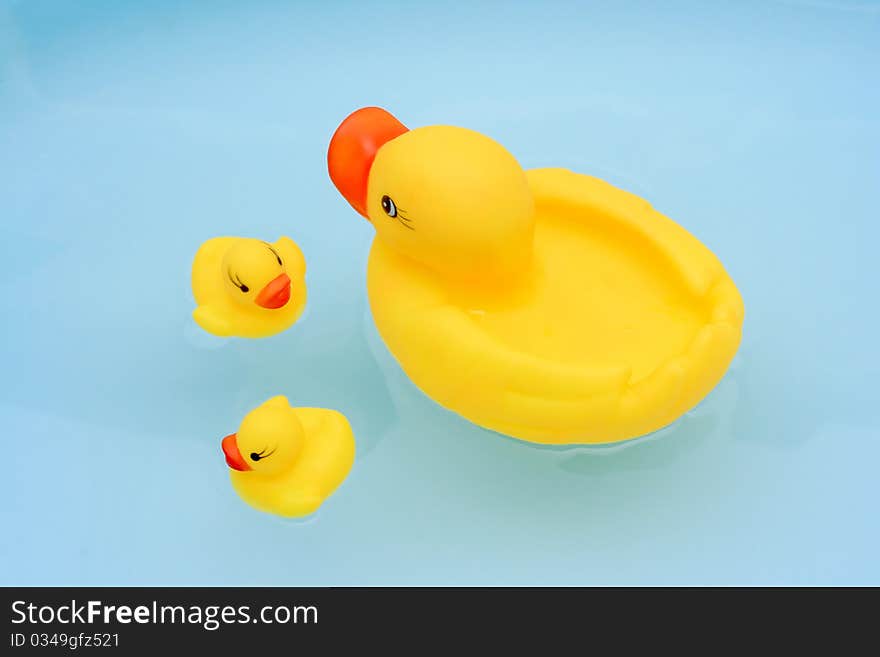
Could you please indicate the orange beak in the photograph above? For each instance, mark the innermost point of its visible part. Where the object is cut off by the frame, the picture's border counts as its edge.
(353, 148)
(276, 293)
(233, 457)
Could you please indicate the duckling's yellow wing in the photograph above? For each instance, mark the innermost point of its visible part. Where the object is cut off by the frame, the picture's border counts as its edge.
(206, 276)
(631, 322)
(211, 312)
(213, 320)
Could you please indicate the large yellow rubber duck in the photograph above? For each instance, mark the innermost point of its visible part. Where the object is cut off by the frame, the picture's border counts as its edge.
(247, 287)
(543, 304)
(286, 460)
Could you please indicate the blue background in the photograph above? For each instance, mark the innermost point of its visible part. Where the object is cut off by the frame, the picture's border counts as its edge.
(131, 132)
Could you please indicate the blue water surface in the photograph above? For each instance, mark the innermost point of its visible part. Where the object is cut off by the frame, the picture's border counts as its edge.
(132, 131)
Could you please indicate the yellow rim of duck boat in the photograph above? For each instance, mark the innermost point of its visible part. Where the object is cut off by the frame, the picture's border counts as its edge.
(499, 387)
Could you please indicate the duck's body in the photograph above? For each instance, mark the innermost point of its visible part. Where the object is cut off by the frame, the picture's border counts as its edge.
(618, 327)
(552, 306)
(286, 460)
(248, 288)
(324, 462)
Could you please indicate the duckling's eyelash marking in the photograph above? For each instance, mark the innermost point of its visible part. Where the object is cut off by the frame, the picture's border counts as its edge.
(275, 253)
(257, 456)
(237, 283)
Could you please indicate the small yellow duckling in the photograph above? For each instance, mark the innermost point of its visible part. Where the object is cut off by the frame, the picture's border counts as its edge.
(247, 287)
(286, 460)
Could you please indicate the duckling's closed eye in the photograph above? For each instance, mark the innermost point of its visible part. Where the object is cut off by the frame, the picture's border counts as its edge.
(236, 281)
(275, 253)
(256, 456)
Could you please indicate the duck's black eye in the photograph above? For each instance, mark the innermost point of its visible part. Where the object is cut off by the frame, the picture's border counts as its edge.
(257, 456)
(389, 206)
(236, 281)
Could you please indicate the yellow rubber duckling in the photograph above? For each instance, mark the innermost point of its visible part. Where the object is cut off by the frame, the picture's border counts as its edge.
(286, 460)
(543, 304)
(248, 288)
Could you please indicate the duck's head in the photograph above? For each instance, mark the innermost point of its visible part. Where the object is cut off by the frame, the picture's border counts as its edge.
(254, 273)
(447, 197)
(268, 441)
